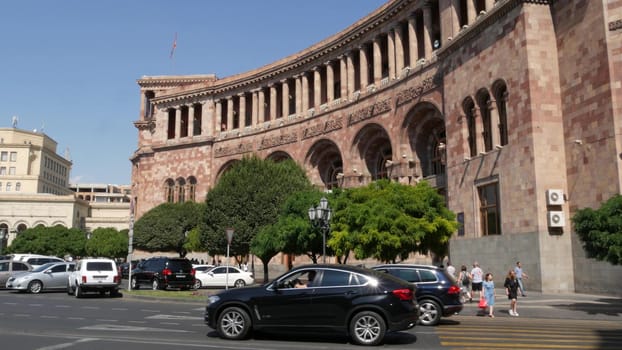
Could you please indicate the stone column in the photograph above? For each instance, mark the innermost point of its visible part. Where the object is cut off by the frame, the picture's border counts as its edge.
(273, 99)
(177, 123)
(190, 126)
(494, 123)
(207, 126)
(254, 108)
(391, 53)
(261, 106)
(218, 122)
(399, 51)
(377, 61)
(330, 82)
(344, 77)
(285, 99)
(471, 11)
(305, 92)
(351, 71)
(317, 87)
(298, 94)
(427, 30)
(455, 17)
(242, 110)
(230, 111)
(363, 67)
(413, 48)
(489, 5)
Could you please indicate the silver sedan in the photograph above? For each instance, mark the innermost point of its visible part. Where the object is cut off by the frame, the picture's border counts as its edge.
(50, 276)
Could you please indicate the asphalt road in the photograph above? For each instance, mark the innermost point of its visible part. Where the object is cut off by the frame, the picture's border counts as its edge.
(51, 321)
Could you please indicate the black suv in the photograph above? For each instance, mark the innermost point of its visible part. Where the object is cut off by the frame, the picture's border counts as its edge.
(162, 273)
(360, 302)
(438, 293)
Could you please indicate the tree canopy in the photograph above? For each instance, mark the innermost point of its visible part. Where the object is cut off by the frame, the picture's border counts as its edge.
(387, 220)
(56, 240)
(107, 242)
(600, 230)
(165, 227)
(247, 198)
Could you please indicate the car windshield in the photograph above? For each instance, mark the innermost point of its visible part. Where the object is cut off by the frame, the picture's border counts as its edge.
(43, 267)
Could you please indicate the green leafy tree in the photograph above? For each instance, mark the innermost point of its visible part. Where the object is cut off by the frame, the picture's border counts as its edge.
(387, 220)
(57, 241)
(107, 242)
(600, 230)
(247, 198)
(165, 227)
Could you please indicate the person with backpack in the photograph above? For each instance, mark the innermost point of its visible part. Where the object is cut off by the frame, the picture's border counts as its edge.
(464, 279)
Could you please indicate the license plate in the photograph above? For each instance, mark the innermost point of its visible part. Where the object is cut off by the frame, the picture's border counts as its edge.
(180, 276)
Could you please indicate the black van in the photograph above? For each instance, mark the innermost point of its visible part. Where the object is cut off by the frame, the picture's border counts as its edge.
(163, 273)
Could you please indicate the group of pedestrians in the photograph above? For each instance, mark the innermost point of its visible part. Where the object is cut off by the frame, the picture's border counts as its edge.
(476, 284)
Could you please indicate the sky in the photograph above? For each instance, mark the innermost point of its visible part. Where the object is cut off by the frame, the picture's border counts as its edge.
(69, 67)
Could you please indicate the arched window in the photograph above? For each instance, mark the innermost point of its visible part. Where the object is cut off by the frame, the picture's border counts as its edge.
(169, 191)
(181, 190)
(18, 186)
(192, 188)
(484, 111)
(469, 112)
(501, 96)
(21, 228)
(171, 124)
(438, 154)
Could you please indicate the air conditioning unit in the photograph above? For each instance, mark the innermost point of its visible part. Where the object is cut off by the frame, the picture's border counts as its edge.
(556, 218)
(554, 197)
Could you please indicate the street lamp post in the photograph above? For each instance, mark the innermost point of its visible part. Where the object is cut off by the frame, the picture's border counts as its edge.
(320, 217)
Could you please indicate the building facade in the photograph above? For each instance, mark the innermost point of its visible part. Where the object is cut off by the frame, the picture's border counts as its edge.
(35, 190)
(510, 108)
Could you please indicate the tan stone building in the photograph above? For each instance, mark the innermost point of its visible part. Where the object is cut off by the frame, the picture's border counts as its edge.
(511, 108)
(34, 189)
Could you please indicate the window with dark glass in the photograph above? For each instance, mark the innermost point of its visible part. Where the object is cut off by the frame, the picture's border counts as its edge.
(489, 209)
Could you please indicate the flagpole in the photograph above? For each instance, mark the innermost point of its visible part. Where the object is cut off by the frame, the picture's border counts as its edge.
(172, 55)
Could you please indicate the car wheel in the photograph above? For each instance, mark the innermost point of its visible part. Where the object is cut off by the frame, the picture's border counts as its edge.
(35, 287)
(134, 283)
(78, 291)
(234, 323)
(429, 312)
(114, 293)
(239, 284)
(155, 285)
(197, 284)
(367, 328)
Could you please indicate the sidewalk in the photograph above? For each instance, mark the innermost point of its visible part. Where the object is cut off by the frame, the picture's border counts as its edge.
(571, 305)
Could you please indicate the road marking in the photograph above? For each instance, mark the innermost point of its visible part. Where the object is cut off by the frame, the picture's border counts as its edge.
(119, 309)
(45, 316)
(90, 307)
(67, 345)
(62, 306)
(35, 304)
(75, 318)
(147, 310)
(118, 328)
(104, 320)
(172, 317)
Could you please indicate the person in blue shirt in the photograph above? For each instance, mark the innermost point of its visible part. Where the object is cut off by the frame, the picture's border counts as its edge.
(518, 271)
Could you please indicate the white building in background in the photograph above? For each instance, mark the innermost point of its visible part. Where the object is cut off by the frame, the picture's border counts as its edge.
(35, 190)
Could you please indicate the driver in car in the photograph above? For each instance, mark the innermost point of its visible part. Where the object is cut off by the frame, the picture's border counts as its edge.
(310, 277)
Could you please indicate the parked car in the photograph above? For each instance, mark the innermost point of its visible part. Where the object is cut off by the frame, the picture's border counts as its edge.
(202, 267)
(125, 268)
(10, 267)
(438, 292)
(99, 275)
(50, 276)
(36, 260)
(363, 303)
(221, 276)
(163, 273)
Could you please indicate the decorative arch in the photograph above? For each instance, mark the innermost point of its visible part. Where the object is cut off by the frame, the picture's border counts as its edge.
(372, 145)
(21, 227)
(326, 164)
(425, 128)
(224, 168)
(279, 156)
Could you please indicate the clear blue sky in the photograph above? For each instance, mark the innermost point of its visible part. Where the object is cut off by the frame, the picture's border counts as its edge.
(70, 66)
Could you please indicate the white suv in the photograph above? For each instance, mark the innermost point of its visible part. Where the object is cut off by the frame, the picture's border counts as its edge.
(94, 275)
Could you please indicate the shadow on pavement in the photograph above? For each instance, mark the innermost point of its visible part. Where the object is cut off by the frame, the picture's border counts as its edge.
(602, 306)
(392, 338)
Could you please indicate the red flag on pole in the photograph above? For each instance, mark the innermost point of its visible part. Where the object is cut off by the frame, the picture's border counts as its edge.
(174, 46)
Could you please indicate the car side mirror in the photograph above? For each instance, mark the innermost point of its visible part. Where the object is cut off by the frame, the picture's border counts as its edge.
(49, 272)
(275, 285)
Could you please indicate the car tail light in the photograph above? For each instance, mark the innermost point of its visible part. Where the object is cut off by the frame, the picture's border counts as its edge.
(403, 294)
(83, 279)
(117, 279)
(453, 290)
(166, 272)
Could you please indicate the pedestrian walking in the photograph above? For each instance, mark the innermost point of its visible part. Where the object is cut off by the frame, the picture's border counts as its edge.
(464, 279)
(489, 293)
(477, 277)
(520, 274)
(511, 289)
(451, 269)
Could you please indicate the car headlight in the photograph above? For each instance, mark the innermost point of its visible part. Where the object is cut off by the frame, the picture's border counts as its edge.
(212, 299)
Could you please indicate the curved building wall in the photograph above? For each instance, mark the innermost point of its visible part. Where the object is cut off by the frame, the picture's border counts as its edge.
(475, 97)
